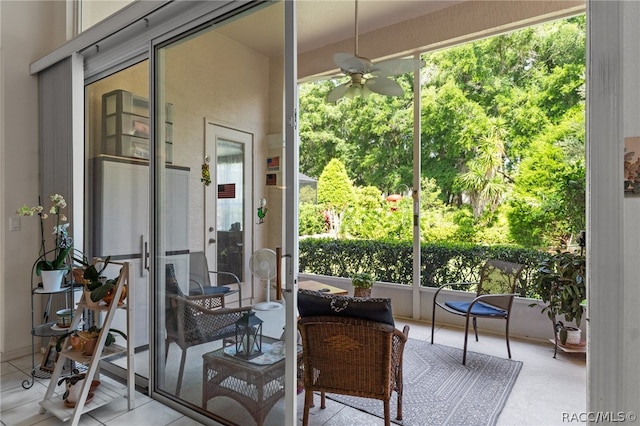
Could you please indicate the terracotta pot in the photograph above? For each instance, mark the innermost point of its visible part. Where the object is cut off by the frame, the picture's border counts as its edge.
(89, 346)
(361, 292)
(109, 297)
(78, 275)
(76, 343)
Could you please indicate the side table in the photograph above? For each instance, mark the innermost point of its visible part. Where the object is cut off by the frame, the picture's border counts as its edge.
(257, 387)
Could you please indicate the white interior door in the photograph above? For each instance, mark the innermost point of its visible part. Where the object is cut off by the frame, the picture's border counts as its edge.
(227, 233)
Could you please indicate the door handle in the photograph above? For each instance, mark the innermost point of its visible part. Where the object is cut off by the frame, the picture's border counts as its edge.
(146, 255)
(212, 240)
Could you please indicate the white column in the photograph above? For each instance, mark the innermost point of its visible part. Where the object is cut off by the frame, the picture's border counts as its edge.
(612, 248)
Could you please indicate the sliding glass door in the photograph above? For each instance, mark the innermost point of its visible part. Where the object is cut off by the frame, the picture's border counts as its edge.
(218, 94)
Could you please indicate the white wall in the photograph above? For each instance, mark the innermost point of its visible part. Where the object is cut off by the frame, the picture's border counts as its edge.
(28, 30)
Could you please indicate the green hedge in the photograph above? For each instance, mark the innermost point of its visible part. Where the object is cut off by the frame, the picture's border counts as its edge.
(393, 262)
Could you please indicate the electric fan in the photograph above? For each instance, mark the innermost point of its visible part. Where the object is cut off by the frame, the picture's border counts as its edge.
(263, 266)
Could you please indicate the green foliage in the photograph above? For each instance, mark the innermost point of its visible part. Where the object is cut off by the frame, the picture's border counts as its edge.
(362, 280)
(335, 190)
(308, 194)
(98, 285)
(561, 284)
(502, 119)
(392, 262)
(311, 219)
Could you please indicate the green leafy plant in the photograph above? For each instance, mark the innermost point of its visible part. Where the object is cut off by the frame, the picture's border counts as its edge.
(95, 282)
(561, 285)
(362, 280)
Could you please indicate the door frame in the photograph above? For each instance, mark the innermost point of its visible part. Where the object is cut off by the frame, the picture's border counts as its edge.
(213, 131)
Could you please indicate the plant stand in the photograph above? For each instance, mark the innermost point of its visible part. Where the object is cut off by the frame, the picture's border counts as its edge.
(46, 328)
(105, 393)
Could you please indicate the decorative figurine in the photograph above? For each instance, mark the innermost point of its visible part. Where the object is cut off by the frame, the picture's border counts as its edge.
(262, 211)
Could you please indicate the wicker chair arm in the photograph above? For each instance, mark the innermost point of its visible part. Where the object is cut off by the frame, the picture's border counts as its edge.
(402, 335)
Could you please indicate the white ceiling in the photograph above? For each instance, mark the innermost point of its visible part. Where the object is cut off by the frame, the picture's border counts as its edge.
(322, 22)
(325, 27)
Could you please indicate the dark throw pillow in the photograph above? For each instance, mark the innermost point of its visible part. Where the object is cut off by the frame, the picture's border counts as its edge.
(313, 303)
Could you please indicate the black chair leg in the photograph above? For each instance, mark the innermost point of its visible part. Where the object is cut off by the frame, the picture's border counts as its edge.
(466, 338)
(475, 327)
(433, 320)
(507, 337)
(182, 361)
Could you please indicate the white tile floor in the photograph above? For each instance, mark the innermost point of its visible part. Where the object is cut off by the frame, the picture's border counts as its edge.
(546, 388)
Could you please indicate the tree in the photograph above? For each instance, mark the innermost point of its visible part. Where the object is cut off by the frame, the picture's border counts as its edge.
(491, 111)
(335, 192)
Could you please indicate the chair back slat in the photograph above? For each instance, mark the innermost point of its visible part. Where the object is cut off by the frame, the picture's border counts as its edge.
(199, 269)
(499, 277)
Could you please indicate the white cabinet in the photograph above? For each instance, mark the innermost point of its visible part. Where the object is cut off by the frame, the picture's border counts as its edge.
(121, 217)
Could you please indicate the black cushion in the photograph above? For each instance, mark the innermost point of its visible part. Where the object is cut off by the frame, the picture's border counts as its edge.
(313, 303)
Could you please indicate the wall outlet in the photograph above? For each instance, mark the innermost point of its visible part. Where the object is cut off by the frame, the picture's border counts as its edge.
(14, 223)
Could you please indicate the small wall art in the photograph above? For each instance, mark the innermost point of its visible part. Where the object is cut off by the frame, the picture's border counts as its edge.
(632, 165)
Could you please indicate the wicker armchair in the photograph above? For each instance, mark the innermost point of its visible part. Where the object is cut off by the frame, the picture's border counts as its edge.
(192, 321)
(351, 356)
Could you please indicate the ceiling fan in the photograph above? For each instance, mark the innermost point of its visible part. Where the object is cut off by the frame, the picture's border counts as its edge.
(365, 76)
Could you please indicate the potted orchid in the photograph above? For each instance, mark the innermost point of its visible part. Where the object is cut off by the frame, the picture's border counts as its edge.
(56, 258)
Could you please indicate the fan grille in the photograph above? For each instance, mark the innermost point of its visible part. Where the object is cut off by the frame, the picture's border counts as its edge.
(263, 264)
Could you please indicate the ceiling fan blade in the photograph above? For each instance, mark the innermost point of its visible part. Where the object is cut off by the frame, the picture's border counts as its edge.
(338, 92)
(395, 67)
(384, 86)
(350, 63)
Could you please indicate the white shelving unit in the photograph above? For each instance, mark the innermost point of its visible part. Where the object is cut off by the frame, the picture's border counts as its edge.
(106, 392)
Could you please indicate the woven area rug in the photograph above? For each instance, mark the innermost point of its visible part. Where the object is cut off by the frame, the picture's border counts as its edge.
(439, 390)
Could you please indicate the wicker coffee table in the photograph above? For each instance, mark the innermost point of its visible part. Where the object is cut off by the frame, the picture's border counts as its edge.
(257, 387)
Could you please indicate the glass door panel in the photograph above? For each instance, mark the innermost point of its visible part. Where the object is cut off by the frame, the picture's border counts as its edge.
(221, 90)
(227, 215)
(117, 173)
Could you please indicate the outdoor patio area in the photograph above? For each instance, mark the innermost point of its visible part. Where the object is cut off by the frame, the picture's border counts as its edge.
(546, 391)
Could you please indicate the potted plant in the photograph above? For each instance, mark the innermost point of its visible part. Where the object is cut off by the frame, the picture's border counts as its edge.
(561, 285)
(97, 286)
(89, 338)
(73, 384)
(362, 283)
(52, 264)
